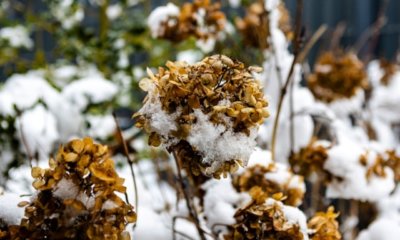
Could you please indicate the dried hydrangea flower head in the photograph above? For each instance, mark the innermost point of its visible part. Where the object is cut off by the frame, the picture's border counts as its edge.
(389, 69)
(255, 26)
(309, 159)
(77, 198)
(201, 19)
(265, 177)
(381, 164)
(264, 218)
(208, 113)
(324, 226)
(337, 77)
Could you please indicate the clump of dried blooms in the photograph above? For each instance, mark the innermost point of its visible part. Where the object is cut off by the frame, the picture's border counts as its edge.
(389, 69)
(263, 219)
(255, 26)
(201, 19)
(208, 113)
(324, 226)
(77, 197)
(260, 176)
(337, 77)
(380, 162)
(310, 159)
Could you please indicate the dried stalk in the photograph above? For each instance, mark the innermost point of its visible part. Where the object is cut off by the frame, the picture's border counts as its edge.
(189, 205)
(298, 58)
(296, 42)
(130, 163)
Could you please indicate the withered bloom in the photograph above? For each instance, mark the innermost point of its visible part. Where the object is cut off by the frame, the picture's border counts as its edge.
(324, 226)
(255, 26)
(389, 69)
(309, 159)
(201, 19)
(208, 113)
(76, 197)
(337, 76)
(257, 176)
(263, 219)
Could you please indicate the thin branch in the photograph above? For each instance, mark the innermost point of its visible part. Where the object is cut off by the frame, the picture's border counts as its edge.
(26, 145)
(374, 30)
(296, 42)
(130, 163)
(298, 58)
(192, 211)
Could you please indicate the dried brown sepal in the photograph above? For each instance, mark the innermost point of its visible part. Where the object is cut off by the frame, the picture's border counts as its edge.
(389, 69)
(309, 159)
(254, 177)
(324, 225)
(255, 26)
(93, 211)
(183, 89)
(259, 220)
(187, 23)
(337, 76)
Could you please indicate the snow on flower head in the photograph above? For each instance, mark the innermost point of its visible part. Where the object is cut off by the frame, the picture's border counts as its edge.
(256, 25)
(357, 173)
(17, 37)
(208, 113)
(201, 19)
(337, 77)
(77, 196)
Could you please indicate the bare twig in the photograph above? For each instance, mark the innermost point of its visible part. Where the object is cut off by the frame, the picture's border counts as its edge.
(192, 211)
(374, 30)
(296, 42)
(130, 163)
(26, 145)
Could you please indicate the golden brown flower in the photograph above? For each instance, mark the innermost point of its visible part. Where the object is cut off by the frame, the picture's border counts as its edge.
(389, 69)
(216, 95)
(255, 26)
(257, 176)
(337, 76)
(263, 220)
(324, 225)
(187, 23)
(76, 197)
(309, 159)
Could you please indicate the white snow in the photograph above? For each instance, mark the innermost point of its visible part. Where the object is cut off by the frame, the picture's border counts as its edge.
(90, 89)
(38, 127)
(161, 15)
(343, 161)
(10, 213)
(218, 144)
(17, 36)
(381, 229)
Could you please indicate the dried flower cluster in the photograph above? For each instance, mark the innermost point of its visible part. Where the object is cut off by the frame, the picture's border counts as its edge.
(255, 26)
(337, 77)
(389, 69)
(201, 19)
(324, 226)
(77, 197)
(257, 176)
(263, 218)
(208, 112)
(381, 161)
(309, 159)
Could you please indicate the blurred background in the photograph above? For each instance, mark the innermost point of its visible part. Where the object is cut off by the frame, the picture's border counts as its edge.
(357, 15)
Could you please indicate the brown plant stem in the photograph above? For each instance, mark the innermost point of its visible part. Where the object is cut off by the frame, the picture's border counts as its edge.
(189, 205)
(130, 163)
(299, 57)
(296, 42)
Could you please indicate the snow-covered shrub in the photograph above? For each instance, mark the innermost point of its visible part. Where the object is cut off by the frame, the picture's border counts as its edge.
(207, 113)
(76, 197)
